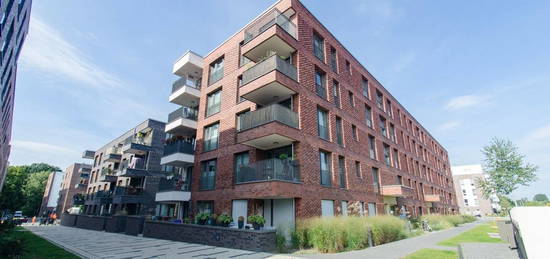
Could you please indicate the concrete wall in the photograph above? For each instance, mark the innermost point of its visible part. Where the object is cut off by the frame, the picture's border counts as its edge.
(91, 222)
(116, 224)
(254, 240)
(68, 220)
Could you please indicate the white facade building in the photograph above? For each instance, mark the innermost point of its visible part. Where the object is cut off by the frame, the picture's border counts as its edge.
(469, 197)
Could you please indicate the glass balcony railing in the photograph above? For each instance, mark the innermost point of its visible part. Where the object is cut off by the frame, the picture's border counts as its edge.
(178, 146)
(138, 164)
(183, 112)
(186, 81)
(129, 190)
(266, 21)
(274, 112)
(269, 64)
(174, 184)
(269, 170)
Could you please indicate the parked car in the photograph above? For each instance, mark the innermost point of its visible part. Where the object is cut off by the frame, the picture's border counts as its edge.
(18, 217)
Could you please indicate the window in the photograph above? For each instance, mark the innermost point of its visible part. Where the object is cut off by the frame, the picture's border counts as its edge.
(372, 147)
(392, 133)
(395, 158)
(322, 124)
(368, 116)
(239, 118)
(375, 179)
(318, 47)
(348, 67)
(342, 171)
(324, 158)
(379, 100)
(211, 136)
(400, 180)
(208, 175)
(357, 168)
(365, 85)
(354, 132)
(213, 102)
(336, 93)
(215, 71)
(372, 209)
(350, 97)
(327, 208)
(339, 136)
(333, 63)
(241, 161)
(387, 158)
(344, 205)
(388, 108)
(320, 87)
(383, 130)
(205, 206)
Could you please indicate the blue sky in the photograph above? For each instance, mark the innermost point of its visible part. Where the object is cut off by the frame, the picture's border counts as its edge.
(467, 71)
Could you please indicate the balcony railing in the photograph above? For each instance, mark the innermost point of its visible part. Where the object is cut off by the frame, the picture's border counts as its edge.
(269, 64)
(269, 170)
(137, 140)
(266, 21)
(186, 81)
(179, 146)
(174, 184)
(183, 112)
(274, 112)
(138, 164)
(129, 190)
(107, 171)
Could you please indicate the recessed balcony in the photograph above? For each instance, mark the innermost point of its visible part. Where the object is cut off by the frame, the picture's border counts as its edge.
(432, 198)
(113, 155)
(173, 190)
(269, 170)
(271, 33)
(129, 195)
(85, 169)
(182, 121)
(136, 145)
(178, 153)
(270, 78)
(396, 191)
(186, 91)
(88, 154)
(188, 64)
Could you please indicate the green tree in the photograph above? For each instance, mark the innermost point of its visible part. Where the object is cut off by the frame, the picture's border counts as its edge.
(540, 197)
(506, 204)
(505, 169)
(12, 197)
(34, 191)
(41, 167)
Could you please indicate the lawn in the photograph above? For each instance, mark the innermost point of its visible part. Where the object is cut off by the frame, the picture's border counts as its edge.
(476, 235)
(37, 247)
(432, 254)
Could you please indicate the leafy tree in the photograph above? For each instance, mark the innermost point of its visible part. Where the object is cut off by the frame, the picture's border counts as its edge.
(11, 197)
(506, 204)
(41, 167)
(34, 191)
(505, 169)
(540, 197)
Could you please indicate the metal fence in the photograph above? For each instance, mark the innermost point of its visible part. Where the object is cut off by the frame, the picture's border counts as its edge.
(269, 170)
(274, 112)
(269, 64)
(266, 21)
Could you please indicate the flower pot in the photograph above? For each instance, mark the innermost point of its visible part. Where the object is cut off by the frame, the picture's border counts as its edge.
(241, 224)
(202, 221)
(256, 226)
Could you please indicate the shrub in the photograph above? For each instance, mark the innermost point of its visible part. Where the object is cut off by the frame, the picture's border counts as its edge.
(11, 247)
(6, 225)
(326, 234)
(356, 232)
(468, 218)
(387, 229)
(300, 234)
(258, 219)
(439, 222)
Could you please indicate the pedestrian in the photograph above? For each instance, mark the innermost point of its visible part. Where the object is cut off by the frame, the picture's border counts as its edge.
(54, 218)
(33, 220)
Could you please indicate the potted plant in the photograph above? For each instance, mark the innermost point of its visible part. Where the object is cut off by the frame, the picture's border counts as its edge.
(240, 223)
(212, 219)
(257, 221)
(224, 220)
(201, 218)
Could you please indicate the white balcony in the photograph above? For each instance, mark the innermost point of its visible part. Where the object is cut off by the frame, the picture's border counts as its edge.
(182, 121)
(186, 91)
(173, 196)
(189, 64)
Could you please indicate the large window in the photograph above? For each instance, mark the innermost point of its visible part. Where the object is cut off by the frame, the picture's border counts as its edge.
(365, 86)
(318, 47)
(322, 123)
(368, 116)
(350, 99)
(379, 100)
(333, 63)
(375, 179)
(395, 158)
(211, 137)
(327, 208)
(324, 159)
(354, 133)
(387, 158)
(208, 175)
(383, 129)
(241, 161)
(205, 206)
(336, 93)
(339, 135)
(320, 85)
(213, 102)
(215, 71)
(357, 168)
(372, 147)
(392, 133)
(342, 171)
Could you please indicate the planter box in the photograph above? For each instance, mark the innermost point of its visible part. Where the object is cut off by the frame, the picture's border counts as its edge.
(254, 240)
(116, 224)
(91, 222)
(134, 225)
(68, 220)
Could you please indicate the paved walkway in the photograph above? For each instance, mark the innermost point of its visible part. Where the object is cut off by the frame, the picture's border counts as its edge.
(402, 248)
(97, 244)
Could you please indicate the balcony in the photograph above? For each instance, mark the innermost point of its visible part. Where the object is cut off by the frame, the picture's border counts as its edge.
(173, 190)
(129, 194)
(136, 145)
(88, 154)
(269, 89)
(188, 64)
(107, 175)
(113, 155)
(80, 185)
(432, 198)
(269, 170)
(85, 169)
(274, 113)
(270, 33)
(396, 191)
(182, 121)
(186, 91)
(178, 153)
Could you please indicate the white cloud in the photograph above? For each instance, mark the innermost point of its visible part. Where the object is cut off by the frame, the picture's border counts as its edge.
(465, 101)
(42, 147)
(47, 50)
(449, 125)
(542, 133)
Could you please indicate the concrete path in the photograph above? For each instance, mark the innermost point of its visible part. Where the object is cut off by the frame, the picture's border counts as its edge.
(402, 248)
(97, 244)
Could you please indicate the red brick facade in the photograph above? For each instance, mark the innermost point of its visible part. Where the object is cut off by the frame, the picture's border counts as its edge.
(433, 169)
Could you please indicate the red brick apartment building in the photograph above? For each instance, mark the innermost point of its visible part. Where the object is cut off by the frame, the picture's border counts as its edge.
(73, 186)
(291, 125)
